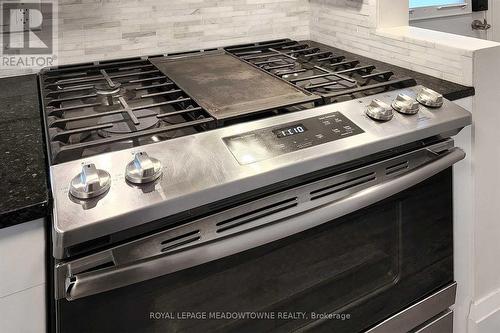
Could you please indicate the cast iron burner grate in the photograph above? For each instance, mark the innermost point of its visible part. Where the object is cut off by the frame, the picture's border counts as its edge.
(322, 72)
(106, 106)
(101, 107)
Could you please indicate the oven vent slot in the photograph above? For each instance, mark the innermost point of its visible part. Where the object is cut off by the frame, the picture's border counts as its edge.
(397, 168)
(181, 240)
(256, 214)
(343, 185)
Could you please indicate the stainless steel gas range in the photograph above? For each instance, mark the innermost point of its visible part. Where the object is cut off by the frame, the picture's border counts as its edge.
(272, 186)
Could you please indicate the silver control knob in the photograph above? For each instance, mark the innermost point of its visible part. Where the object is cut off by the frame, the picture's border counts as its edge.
(405, 104)
(379, 110)
(430, 98)
(90, 183)
(143, 169)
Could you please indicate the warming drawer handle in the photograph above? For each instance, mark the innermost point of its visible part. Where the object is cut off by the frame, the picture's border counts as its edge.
(91, 283)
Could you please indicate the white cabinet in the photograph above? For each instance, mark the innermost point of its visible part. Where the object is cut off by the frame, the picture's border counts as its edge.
(24, 312)
(22, 278)
(463, 224)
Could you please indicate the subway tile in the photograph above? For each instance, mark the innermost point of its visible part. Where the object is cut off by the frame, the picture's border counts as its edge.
(92, 30)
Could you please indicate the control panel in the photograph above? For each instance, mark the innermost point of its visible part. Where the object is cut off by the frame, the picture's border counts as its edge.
(265, 143)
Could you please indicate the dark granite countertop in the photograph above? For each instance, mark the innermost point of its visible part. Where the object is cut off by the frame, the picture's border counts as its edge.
(23, 171)
(451, 91)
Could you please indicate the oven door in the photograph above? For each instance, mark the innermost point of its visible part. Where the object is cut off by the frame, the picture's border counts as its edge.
(342, 254)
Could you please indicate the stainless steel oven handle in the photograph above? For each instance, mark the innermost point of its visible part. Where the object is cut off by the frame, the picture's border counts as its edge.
(95, 282)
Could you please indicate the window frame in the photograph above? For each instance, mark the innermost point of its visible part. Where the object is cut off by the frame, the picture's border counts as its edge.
(421, 13)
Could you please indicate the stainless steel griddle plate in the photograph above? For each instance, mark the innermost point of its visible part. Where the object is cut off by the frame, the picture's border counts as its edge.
(228, 87)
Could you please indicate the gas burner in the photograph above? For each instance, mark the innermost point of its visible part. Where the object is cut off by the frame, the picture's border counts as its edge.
(106, 91)
(121, 125)
(341, 85)
(318, 70)
(99, 108)
(81, 137)
(326, 85)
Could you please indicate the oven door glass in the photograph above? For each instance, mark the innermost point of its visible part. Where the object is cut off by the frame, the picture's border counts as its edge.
(343, 276)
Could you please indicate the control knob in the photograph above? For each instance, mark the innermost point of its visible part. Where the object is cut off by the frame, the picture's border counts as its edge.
(405, 104)
(143, 169)
(430, 98)
(90, 183)
(379, 110)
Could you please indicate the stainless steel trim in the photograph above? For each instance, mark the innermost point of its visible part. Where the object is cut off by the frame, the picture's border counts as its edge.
(442, 323)
(419, 313)
(74, 285)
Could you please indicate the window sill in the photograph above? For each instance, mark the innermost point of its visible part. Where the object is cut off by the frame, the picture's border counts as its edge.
(462, 45)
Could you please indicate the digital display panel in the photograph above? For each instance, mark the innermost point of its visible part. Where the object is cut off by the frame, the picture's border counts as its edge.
(265, 143)
(290, 130)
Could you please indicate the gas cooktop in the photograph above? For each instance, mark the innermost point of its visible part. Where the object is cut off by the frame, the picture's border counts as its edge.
(108, 106)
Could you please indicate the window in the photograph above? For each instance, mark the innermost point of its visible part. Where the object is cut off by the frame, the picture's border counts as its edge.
(430, 3)
(421, 9)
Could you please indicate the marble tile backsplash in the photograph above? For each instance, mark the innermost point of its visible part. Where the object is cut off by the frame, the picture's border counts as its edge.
(351, 25)
(117, 28)
(90, 30)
